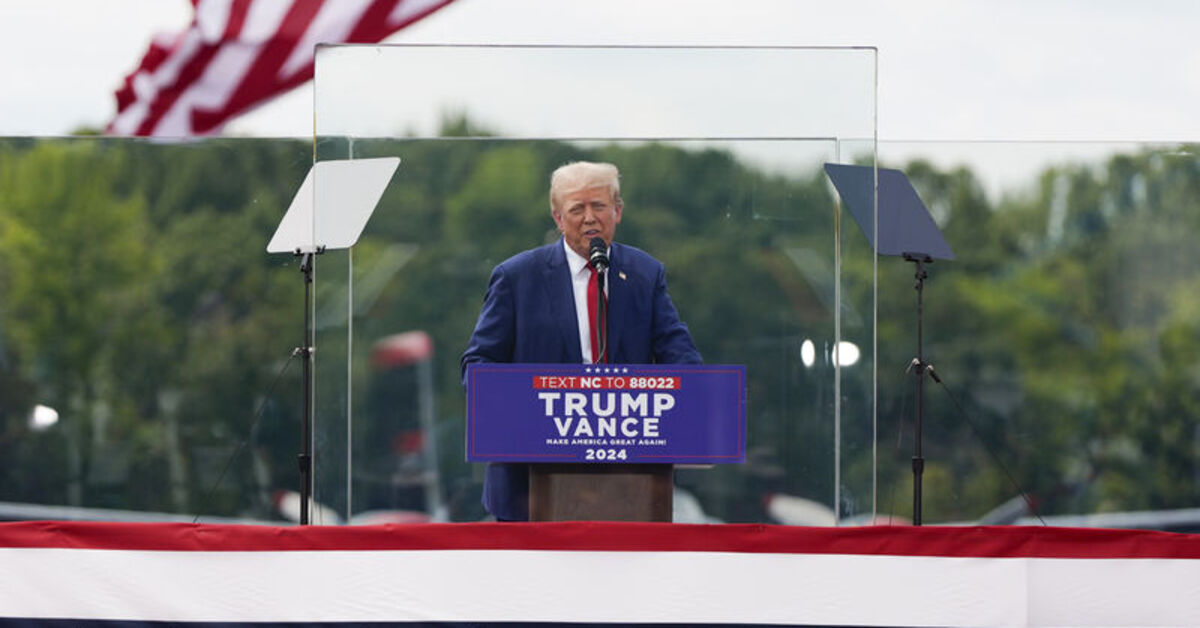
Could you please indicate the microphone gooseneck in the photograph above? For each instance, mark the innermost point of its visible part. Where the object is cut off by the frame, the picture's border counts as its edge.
(598, 253)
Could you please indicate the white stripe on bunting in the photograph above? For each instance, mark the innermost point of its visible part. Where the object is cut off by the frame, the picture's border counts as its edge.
(591, 586)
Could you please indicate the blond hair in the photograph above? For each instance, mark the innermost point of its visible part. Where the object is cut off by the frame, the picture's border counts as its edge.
(584, 175)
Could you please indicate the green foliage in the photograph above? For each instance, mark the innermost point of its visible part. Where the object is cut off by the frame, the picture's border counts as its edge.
(136, 298)
(140, 328)
(1063, 323)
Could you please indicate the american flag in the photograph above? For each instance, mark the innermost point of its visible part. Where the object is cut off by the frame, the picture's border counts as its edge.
(238, 54)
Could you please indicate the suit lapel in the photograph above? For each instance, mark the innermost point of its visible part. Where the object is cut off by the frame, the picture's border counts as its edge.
(618, 302)
(560, 294)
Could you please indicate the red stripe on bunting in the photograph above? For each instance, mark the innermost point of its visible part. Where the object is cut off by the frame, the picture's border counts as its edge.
(987, 542)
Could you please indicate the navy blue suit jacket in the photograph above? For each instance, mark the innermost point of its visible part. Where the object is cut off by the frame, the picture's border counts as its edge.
(529, 316)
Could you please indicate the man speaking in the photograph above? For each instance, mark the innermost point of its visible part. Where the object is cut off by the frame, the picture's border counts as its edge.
(546, 305)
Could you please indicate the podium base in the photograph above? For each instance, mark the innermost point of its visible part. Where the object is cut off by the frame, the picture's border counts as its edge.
(601, 492)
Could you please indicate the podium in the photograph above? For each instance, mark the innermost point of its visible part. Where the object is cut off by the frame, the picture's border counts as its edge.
(601, 492)
(601, 441)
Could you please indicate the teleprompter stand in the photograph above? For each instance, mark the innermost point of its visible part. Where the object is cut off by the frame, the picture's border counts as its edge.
(905, 229)
(918, 368)
(305, 351)
(329, 211)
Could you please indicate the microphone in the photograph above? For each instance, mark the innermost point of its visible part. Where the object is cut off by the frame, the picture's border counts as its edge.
(598, 253)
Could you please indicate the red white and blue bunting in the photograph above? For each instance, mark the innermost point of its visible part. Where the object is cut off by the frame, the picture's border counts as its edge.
(58, 574)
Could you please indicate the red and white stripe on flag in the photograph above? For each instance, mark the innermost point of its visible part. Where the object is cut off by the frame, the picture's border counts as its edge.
(237, 54)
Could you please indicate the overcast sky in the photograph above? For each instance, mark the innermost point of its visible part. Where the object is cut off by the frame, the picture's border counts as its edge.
(948, 69)
(1017, 70)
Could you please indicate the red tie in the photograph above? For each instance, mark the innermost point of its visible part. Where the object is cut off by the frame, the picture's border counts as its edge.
(594, 321)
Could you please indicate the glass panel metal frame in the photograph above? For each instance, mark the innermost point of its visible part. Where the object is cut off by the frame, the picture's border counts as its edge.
(763, 118)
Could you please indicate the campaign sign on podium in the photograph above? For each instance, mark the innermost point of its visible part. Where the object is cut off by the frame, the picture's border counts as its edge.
(606, 413)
